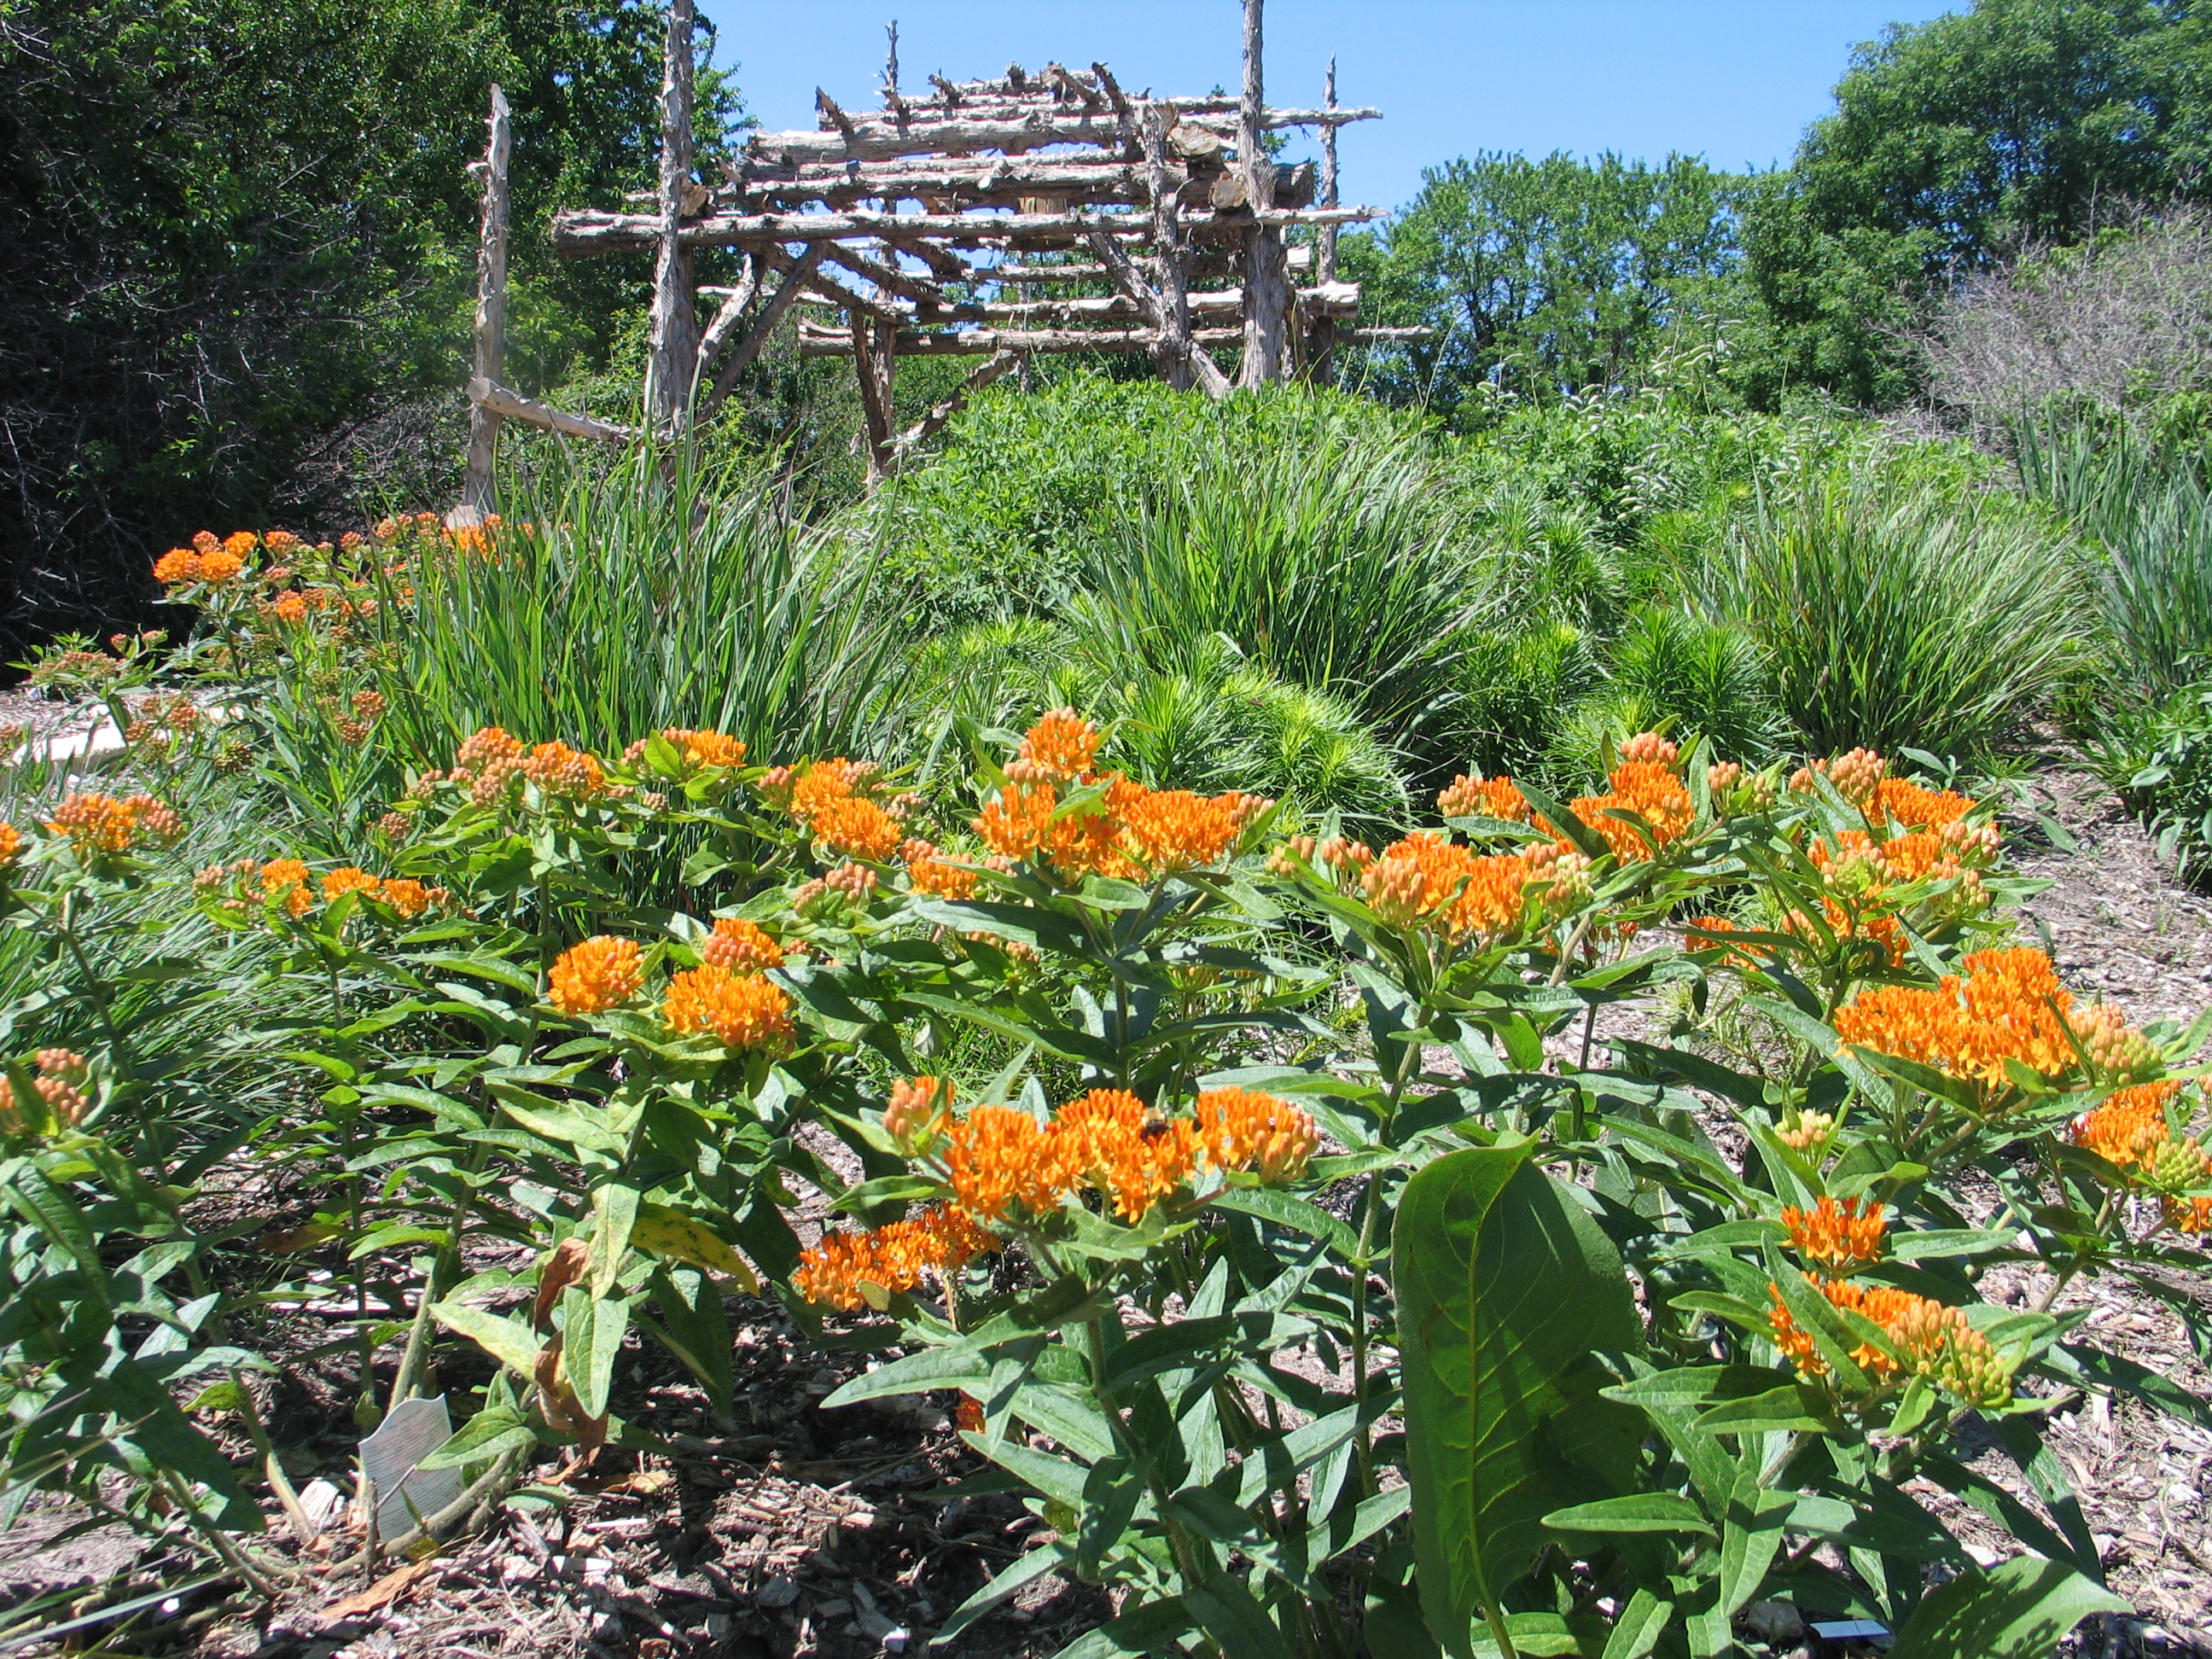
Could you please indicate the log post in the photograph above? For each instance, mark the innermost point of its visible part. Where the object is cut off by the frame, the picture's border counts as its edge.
(491, 307)
(1267, 271)
(1320, 335)
(1325, 259)
(1175, 353)
(674, 340)
(875, 348)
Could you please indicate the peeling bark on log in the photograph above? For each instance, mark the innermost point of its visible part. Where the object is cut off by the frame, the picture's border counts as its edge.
(968, 131)
(729, 316)
(492, 305)
(814, 341)
(515, 407)
(875, 355)
(583, 231)
(672, 357)
(1266, 281)
(741, 357)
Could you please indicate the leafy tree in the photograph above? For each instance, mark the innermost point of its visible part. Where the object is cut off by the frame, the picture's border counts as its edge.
(236, 257)
(1953, 141)
(1544, 278)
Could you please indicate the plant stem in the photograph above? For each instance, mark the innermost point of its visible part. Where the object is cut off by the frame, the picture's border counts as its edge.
(272, 1469)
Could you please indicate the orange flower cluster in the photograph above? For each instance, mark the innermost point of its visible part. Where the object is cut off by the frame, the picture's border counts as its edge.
(1838, 1238)
(926, 871)
(1003, 1164)
(288, 883)
(564, 773)
(1857, 775)
(207, 560)
(1648, 788)
(1106, 1140)
(97, 824)
(593, 977)
(805, 793)
(1934, 1340)
(918, 1112)
(12, 844)
(1478, 797)
(2009, 1005)
(707, 748)
(2133, 1131)
(1241, 1130)
(1648, 748)
(1176, 830)
(857, 826)
(1425, 879)
(1059, 749)
(347, 878)
(893, 1257)
(740, 946)
(284, 882)
(1920, 809)
(1133, 831)
(409, 898)
(739, 1010)
(60, 1088)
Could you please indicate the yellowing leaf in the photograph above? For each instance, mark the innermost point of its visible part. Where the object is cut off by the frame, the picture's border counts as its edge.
(669, 1232)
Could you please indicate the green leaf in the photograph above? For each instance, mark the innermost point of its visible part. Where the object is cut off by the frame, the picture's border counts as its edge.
(1150, 1629)
(1505, 1285)
(480, 1439)
(614, 1208)
(2020, 1610)
(1639, 1627)
(1789, 1407)
(591, 1352)
(1752, 1534)
(1226, 1610)
(1284, 1211)
(149, 1419)
(954, 1366)
(1045, 1558)
(1642, 1511)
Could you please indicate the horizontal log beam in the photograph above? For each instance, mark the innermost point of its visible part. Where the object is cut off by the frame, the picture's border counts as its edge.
(583, 230)
(815, 342)
(500, 400)
(1339, 301)
(876, 139)
(1201, 265)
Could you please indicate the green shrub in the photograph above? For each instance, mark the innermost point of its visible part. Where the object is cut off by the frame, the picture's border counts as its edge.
(1213, 724)
(1029, 484)
(1515, 685)
(1900, 605)
(2149, 513)
(1333, 567)
(636, 604)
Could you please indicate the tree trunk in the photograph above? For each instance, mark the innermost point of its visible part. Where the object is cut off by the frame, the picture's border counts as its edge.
(491, 307)
(1266, 272)
(673, 351)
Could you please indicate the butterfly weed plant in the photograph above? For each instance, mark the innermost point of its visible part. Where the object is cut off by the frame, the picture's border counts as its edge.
(1343, 1246)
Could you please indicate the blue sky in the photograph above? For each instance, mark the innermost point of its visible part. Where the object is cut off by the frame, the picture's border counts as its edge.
(1735, 81)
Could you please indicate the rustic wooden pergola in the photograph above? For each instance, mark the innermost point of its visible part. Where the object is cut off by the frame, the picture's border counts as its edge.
(950, 225)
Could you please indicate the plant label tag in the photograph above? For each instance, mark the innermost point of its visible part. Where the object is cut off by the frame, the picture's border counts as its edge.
(415, 1428)
(1850, 1629)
